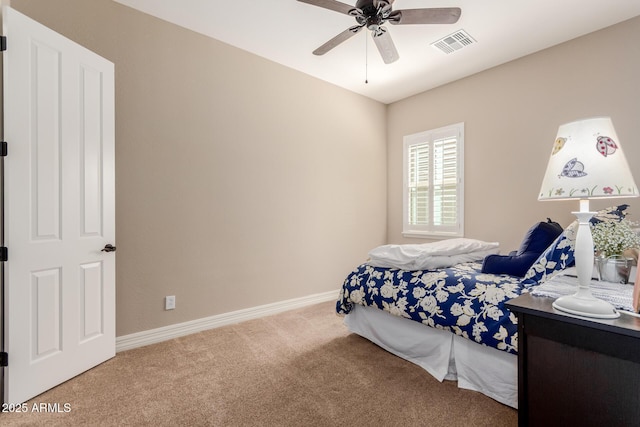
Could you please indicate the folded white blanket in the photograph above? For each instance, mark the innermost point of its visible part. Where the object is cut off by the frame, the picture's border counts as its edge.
(444, 253)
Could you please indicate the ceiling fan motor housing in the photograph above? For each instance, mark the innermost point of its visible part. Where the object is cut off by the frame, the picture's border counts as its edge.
(371, 14)
(367, 7)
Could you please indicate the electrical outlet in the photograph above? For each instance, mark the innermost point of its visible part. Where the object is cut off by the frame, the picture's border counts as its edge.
(170, 302)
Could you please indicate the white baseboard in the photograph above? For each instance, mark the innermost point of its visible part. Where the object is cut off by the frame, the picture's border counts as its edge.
(152, 336)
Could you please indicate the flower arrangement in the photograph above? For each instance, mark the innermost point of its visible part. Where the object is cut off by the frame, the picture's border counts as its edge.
(614, 237)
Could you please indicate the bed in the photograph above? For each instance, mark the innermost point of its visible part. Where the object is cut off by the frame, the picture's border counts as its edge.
(464, 308)
(452, 320)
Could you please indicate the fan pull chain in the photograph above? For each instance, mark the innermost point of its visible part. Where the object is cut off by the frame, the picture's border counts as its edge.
(366, 59)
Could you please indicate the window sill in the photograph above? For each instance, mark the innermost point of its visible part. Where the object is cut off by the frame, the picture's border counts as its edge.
(431, 235)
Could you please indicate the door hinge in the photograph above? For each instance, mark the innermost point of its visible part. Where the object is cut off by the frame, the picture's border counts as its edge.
(3, 148)
(3, 43)
(4, 359)
(4, 253)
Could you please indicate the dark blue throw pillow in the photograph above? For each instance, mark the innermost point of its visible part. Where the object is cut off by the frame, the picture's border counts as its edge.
(536, 241)
(559, 255)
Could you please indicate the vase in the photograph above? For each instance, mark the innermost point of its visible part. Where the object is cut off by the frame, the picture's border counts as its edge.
(614, 268)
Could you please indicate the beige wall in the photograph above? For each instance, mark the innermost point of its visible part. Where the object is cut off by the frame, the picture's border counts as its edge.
(511, 115)
(239, 182)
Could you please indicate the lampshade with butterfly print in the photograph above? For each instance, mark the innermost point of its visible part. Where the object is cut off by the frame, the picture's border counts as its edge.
(586, 162)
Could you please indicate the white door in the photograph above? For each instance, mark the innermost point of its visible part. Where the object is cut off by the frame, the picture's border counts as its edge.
(59, 208)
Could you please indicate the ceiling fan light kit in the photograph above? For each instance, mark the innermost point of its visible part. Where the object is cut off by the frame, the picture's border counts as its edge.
(372, 14)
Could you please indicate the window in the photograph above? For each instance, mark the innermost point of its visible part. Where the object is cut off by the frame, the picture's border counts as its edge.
(433, 183)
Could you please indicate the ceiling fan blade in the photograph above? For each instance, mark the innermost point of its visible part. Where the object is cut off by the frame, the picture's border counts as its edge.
(443, 15)
(385, 45)
(342, 37)
(331, 5)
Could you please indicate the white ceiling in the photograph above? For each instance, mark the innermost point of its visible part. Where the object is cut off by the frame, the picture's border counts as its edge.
(287, 31)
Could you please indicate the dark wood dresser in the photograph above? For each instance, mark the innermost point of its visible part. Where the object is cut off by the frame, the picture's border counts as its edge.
(574, 371)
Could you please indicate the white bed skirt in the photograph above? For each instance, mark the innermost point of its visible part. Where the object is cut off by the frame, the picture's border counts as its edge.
(444, 355)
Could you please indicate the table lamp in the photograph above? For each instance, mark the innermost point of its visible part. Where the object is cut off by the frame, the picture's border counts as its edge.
(586, 162)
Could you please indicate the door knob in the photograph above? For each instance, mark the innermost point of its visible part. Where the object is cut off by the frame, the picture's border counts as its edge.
(108, 248)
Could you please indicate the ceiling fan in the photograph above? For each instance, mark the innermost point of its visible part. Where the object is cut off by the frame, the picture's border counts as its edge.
(373, 13)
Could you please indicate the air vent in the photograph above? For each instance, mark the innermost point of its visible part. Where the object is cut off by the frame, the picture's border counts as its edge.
(453, 42)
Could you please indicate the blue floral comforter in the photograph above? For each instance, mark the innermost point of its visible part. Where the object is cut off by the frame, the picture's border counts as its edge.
(459, 299)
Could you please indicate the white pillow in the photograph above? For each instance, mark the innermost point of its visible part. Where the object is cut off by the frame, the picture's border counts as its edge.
(420, 256)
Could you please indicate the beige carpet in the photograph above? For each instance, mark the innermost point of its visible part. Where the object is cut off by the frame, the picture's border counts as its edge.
(299, 368)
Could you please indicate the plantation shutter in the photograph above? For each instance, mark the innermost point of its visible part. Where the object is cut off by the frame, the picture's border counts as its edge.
(419, 184)
(433, 182)
(445, 182)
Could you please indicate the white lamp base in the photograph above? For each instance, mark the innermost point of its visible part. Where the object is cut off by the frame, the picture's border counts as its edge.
(587, 306)
(582, 303)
